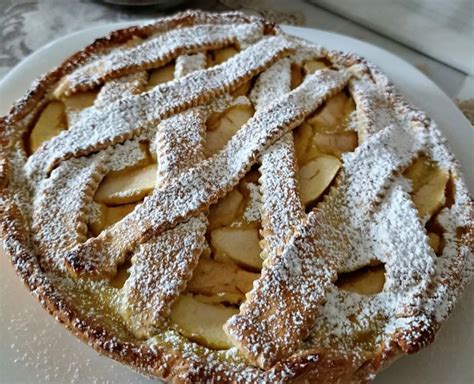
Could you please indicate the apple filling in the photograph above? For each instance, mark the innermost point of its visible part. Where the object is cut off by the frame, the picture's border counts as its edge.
(432, 190)
(320, 142)
(428, 186)
(222, 126)
(226, 272)
(56, 117)
(160, 75)
(51, 122)
(218, 56)
(367, 280)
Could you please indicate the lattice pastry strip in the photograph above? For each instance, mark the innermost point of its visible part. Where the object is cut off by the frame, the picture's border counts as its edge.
(299, 322)
(283, 304)
(455, 264)
(406, 275)
(81, 176)
(404, 311)
(164, 264)
(203, 184)
(282, 308)
(372, 166)
(61, 209)
(159, 273)
(409, 272)
(128, 117)
(117, 89)
(375, 111)
(282, 210)
(180, 144)
(352, 247)
(129, 152)
(146, 298)
(186, 64)
(112, 91)
(158, 51)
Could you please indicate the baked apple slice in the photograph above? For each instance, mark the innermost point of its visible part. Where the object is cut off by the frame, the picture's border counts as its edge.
(430, 197)
(76, 103)
(420, 172)
(115, 214)
(312, 66)
(127, 186)
(241, 245)
(316, 176)
(161, 75)
(220, 130)
(333, 116)
(220, 55)
(201, 322)
(335, 144)
(428, 186)
(109, 216)
(365, 281)
(213, 278)
(51, 122)
(225, 210)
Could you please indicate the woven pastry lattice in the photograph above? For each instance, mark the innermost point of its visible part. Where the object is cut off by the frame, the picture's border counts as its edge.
(378, 207)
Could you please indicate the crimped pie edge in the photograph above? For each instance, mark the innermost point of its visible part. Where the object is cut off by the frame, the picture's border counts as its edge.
(162, 362)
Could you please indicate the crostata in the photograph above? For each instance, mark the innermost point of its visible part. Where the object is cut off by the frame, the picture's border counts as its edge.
(207, 199)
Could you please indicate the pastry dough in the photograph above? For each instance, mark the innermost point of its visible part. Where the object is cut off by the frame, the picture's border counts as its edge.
(294, 245)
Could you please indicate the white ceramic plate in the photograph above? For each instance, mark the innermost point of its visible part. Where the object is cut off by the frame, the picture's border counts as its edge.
(34, 348)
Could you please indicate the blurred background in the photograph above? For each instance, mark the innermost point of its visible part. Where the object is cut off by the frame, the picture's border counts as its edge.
(434, 35)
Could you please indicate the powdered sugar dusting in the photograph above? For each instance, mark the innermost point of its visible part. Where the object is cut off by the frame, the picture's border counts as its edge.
(189, 63)
(58, 221)
(117, 89)
(129, 116)
(283, 303)
(180, 144)
(253, 208)
(277, 316)
(203, 184)
(371, 166)
(164, 264)
(294, 307)
(158, 50)
(159, 273)
(282, 210)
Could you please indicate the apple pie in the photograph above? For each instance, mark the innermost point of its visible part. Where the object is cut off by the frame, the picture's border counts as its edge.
(208, 199)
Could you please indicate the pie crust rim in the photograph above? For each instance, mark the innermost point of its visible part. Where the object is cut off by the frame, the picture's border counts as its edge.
(160, 362)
